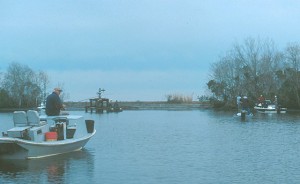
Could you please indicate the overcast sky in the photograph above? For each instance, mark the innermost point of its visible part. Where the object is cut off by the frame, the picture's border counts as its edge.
(136, 49)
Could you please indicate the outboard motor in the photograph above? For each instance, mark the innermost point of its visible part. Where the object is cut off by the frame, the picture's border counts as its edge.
(243, 115)
(89, 126)
(278, 109)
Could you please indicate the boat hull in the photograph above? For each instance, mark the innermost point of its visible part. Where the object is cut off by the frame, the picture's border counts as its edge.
(15, 148)
(270, 110)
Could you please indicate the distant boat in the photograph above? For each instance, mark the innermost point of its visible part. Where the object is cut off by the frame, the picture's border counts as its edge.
(42, 106)
(269, 107)
(42, 109)
(35, 136)
(114, 109)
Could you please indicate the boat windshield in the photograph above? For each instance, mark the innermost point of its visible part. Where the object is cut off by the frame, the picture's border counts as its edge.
(268, 102)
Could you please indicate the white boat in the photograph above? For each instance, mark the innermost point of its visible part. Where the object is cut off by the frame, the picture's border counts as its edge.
(35, 136)
(41, 109)
(269, 107)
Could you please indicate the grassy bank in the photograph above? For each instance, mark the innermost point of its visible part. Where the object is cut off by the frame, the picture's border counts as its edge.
(139, 105)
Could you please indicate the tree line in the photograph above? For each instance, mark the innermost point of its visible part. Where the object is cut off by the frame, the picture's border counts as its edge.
(22, 87)
(256, 67)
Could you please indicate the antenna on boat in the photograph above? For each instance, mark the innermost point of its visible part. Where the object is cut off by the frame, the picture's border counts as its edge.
(100, 92)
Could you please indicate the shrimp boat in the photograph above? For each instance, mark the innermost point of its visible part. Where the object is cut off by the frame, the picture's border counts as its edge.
(269, 107)
(35, 136)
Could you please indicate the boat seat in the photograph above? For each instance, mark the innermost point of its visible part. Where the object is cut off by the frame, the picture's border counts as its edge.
(34, 118)
(20, 119)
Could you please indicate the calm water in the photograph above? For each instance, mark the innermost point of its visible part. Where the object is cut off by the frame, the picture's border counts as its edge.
(172, 147)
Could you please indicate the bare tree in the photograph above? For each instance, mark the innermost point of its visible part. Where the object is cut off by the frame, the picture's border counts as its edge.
(20, 82)
(43, 82)
(293, 60)
(247, 69)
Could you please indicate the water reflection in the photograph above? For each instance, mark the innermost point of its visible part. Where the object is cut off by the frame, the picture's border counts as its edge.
(56, 169)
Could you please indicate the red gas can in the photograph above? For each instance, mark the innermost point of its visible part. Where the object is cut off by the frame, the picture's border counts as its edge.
(51, 136)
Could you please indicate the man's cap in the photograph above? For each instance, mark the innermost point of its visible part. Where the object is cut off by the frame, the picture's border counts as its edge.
(57, 89)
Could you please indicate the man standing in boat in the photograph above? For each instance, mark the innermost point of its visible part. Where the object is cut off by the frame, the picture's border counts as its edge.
(276, 102)
(245, 104)
(53, 103)
(238, 102)
(261, 99)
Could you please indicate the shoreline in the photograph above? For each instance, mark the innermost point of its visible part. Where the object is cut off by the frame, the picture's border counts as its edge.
(138, 105)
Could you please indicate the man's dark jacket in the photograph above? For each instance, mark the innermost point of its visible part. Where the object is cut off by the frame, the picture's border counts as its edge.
(53, 105)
